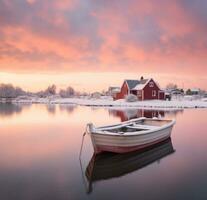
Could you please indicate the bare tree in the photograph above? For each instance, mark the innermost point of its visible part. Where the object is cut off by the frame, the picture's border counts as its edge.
(9, 91)
(67, 93)
(51, 90)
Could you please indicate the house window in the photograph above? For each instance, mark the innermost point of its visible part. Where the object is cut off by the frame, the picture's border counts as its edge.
(154, 93)
(151, 84)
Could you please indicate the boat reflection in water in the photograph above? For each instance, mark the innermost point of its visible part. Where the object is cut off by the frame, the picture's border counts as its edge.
(110, 165)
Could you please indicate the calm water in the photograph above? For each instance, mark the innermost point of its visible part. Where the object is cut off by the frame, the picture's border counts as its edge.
(39, 156)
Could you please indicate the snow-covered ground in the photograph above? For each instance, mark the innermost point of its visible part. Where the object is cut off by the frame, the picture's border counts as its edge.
(108, 102)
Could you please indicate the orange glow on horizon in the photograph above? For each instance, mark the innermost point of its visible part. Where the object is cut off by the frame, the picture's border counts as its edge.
(91, 82)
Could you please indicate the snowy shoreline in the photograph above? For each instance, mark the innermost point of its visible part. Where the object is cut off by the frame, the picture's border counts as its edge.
(107, 102)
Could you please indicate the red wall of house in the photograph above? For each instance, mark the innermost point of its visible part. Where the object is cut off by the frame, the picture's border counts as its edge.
(123, 93)
(148, 91)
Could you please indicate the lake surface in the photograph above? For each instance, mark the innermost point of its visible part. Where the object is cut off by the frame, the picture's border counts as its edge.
(39, 156)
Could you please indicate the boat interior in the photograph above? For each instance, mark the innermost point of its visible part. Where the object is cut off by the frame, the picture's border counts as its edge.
(136, 125)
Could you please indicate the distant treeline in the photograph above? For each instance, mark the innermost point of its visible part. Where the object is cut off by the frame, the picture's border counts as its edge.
(9, 91)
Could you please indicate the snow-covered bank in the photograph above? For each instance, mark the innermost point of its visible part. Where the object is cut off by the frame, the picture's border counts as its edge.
(107, 102)
(139, 104)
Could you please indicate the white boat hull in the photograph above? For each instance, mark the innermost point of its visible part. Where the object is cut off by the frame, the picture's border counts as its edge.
(121, 143)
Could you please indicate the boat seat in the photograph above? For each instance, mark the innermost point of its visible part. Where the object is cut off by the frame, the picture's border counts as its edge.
(145, 127)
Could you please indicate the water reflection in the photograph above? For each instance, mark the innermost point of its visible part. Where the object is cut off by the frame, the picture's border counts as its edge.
(127, 114)
(8, 109)
(39, 157)
(51, 108)
(68, 108)
(109, 165)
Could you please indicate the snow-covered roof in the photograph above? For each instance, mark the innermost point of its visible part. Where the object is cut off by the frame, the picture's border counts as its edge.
(141, 84)
(139, 87)
(131, 83)
(116, 90)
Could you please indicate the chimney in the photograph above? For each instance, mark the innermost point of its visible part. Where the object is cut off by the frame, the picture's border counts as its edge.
(142, 78)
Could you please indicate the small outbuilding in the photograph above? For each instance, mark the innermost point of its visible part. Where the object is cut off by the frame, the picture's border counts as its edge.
(195, 91)
(113, 90)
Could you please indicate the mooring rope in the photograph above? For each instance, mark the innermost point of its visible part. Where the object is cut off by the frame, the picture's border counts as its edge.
(85, 132)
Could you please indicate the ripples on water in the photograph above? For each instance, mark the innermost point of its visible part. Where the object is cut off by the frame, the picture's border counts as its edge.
(39, 156)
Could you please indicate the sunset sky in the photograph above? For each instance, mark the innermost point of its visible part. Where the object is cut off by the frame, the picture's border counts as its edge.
(92, 44)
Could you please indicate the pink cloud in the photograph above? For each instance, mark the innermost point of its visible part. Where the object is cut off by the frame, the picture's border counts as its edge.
(72, 35)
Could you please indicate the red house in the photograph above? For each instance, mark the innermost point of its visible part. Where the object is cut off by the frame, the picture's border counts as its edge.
(144, 89)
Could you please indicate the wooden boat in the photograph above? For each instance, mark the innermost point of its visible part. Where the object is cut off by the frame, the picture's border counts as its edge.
(110, 165)
(130, 135)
